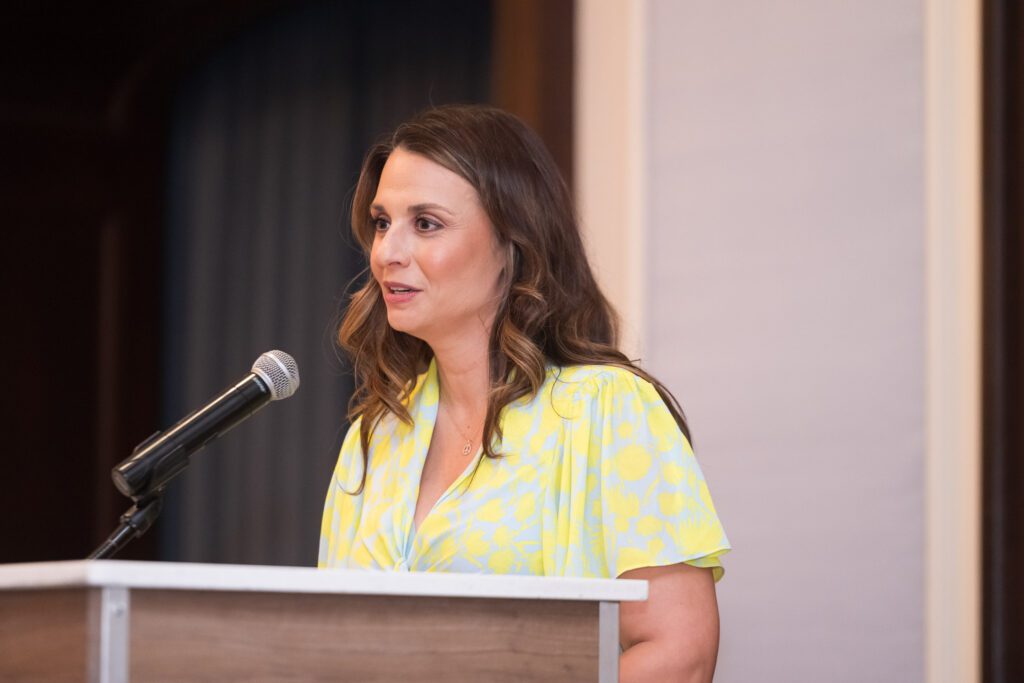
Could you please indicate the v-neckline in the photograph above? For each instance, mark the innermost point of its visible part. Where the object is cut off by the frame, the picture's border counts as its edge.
(424, 422)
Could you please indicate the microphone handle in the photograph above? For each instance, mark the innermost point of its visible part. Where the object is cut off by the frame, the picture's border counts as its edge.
(161, 457)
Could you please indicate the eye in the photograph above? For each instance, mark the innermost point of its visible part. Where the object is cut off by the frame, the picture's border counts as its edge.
(380, 224)
(424, 224)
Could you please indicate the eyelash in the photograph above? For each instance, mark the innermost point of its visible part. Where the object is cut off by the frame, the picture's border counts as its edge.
(377, 222)
(433, 225)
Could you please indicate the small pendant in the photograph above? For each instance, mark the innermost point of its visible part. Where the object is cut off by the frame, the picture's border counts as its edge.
(467, 448)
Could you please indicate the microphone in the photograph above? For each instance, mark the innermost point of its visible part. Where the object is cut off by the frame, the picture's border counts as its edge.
(158, 459)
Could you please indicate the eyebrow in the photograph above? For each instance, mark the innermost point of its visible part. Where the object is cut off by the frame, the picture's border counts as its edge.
(416, 208)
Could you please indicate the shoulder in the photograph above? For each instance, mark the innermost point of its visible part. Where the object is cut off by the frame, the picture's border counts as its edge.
(600, 388)
(352, 435)
(419, 397)
(601, 380)
(601, 374)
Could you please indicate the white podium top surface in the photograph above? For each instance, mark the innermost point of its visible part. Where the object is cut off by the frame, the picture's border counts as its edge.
(236, 577)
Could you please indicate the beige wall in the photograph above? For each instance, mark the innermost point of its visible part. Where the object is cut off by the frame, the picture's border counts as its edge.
(756, 205)
(786, 300)
(786, 308)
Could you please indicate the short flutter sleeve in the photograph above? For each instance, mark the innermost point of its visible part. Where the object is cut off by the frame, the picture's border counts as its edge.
(629, 492)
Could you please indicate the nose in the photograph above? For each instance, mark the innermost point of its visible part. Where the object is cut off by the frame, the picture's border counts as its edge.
(390, 248)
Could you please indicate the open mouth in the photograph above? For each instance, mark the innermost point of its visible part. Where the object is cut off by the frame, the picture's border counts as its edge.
(398, 288)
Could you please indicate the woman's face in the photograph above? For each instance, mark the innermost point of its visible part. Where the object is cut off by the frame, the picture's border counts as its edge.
(435, 253)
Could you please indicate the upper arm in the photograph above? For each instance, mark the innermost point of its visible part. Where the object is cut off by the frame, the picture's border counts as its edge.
(676, 628)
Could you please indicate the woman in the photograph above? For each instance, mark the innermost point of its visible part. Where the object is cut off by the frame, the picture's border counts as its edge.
(495, 425)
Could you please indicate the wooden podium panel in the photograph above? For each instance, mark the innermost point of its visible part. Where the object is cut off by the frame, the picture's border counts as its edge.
(119, 621)
(48, 635)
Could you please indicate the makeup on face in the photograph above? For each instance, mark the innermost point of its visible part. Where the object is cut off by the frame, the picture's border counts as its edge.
(435, 254)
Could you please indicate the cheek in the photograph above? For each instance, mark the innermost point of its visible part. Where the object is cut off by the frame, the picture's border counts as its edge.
(473, 274)
(375, 268)
(451, 264)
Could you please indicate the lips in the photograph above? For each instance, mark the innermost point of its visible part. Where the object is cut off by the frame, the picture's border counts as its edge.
(397, 287)
(398, 292)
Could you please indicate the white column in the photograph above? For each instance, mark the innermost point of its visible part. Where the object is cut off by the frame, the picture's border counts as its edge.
(953, 454)
(609, 157)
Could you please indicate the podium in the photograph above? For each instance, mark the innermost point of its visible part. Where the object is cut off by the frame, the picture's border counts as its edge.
(110, 621)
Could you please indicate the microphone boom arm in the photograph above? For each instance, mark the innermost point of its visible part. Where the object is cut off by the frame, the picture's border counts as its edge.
(154, 462)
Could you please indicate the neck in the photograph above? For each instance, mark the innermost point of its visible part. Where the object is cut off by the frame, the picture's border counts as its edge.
(462, 370)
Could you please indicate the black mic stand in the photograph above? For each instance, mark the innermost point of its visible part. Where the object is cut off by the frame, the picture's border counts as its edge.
(134, 522)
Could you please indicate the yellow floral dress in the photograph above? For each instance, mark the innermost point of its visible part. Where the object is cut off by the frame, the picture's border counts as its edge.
(594, 479)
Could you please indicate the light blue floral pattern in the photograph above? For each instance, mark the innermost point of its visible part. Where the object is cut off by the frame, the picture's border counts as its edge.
(595, 479)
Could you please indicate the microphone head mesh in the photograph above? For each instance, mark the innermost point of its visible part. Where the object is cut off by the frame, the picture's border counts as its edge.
(279, 371)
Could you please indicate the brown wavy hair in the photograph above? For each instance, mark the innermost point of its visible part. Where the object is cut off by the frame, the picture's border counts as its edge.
(552, 310)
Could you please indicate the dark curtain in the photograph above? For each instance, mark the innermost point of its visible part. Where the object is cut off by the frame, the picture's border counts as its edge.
(267, 139)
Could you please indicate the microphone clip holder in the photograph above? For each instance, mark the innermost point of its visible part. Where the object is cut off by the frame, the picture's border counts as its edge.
(134, 522)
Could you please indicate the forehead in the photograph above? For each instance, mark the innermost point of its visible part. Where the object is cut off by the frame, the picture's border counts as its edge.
(412, 178)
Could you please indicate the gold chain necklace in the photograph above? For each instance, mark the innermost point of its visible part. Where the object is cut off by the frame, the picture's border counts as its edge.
(467, 448)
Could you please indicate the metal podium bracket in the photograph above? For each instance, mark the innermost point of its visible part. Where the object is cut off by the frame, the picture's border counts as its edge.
(608, 642)
(114, 612)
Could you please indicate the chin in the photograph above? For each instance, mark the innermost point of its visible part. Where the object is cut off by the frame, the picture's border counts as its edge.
(401, 323)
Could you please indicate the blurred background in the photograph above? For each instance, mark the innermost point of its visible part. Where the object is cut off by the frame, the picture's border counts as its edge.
(808, 214)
